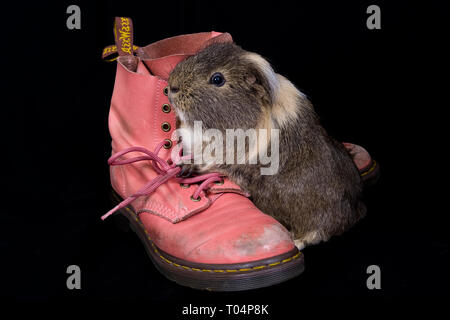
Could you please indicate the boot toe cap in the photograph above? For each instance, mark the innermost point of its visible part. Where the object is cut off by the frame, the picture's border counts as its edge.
(241, 244)
(231, 231)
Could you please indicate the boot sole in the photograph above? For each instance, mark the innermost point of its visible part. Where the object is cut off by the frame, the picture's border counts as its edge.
(370, 174)
(216, 277)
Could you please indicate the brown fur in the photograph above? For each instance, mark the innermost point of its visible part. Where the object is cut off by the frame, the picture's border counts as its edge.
(317, 190)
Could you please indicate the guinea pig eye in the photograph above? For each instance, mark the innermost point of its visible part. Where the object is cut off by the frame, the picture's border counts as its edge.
(217, 79)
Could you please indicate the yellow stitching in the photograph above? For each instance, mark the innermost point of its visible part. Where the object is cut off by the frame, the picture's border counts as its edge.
(258, 267)
(215, 270)
(168, 261)
(274, 264)
(370, 170)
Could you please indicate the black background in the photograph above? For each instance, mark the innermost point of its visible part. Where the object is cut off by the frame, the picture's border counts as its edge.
(383, 89)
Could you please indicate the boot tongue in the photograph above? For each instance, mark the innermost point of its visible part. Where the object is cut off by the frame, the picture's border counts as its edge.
(162, 56)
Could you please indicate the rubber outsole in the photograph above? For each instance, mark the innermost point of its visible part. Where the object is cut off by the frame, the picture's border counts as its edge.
(216, 277)
(371, 174)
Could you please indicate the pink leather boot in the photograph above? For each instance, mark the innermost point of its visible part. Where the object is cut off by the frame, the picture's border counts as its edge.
(368, 167)
(201, 232)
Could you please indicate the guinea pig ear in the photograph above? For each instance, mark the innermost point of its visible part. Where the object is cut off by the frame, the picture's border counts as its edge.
(262, 77)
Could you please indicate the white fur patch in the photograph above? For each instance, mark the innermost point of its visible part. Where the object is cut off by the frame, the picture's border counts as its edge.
(186, 132)
(267, 70)
(286, 105)
(181, 116)
(285, 94)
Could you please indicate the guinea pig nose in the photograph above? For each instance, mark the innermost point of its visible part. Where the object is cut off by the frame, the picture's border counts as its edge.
(174, 89)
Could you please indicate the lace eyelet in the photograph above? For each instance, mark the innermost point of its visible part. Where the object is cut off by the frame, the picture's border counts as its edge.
(168, 144)
(165, 126)
(196, 200)
(166, 108)
(185, 185)
(166, 91)
(219, 183)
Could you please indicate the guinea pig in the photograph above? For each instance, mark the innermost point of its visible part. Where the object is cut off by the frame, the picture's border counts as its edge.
(317, 190)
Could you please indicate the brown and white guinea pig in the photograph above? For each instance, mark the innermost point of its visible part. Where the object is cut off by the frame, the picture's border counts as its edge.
(316, 192)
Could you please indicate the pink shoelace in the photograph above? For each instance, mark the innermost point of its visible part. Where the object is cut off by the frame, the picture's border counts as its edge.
(165, 172)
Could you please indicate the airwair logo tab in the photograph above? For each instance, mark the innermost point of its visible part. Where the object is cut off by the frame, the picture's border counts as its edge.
(123, 33)
(123, 36)
(113, 49)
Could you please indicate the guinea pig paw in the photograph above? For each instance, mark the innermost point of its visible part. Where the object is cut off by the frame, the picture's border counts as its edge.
(310, 238)
(187, 170)
(300, 244)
